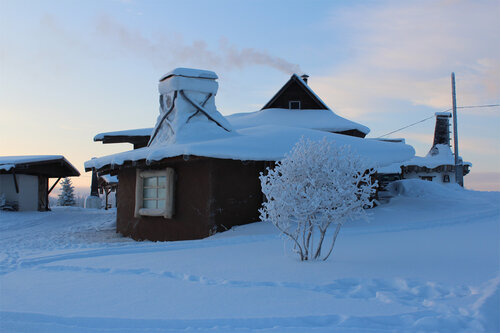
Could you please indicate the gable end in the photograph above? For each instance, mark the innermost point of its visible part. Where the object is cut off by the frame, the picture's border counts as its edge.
(295, 90)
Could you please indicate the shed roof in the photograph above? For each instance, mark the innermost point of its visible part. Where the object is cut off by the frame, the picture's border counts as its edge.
(52, 166)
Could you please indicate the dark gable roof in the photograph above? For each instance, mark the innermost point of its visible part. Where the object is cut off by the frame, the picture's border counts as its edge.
(295, 90)
(52, 166)
(136, 136)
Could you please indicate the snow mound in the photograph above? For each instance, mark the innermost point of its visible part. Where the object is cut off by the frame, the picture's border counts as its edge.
(418, 188)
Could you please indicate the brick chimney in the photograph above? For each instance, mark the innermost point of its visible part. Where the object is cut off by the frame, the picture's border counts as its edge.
(304, 77)
(442, 130)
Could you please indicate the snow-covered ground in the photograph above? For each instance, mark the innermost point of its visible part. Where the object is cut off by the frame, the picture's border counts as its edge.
(429, 261)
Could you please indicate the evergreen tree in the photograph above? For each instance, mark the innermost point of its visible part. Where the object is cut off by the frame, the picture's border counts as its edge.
(67, 196)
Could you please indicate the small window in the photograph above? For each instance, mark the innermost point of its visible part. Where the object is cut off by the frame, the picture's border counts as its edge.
(428, 178)
(154, 193)
(294, 105)
(446, 178)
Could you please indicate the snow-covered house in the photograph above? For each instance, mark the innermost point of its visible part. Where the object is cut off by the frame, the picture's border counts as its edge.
(199, 172)
(439, 163)
(24, 180)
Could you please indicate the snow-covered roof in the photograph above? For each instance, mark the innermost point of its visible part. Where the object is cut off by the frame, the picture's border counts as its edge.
(391, 168)
(189, 124)
(325, 120)
(191, 72)
(262, 143)
(439, 154)
(109, 179)
(7, 167)
(132, 132)
(8, 163)
(13, 160)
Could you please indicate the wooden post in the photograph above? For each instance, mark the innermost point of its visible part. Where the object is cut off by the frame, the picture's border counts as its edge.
(459, 174)
(107, 193)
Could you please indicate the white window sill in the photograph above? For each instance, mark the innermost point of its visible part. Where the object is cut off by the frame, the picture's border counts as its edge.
(151, 212)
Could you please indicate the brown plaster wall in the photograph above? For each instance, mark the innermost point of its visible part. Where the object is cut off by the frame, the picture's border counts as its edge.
(237, 195)
(210, 195)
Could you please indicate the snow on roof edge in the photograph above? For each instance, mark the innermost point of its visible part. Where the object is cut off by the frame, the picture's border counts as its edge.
(131, 132)
(277, 140)
(13, 161)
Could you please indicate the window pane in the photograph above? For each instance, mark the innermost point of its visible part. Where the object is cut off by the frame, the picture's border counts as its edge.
(150, 181)
(161, 204)
(150, 193)
(162, 181)
(149, 204)
(162, 193)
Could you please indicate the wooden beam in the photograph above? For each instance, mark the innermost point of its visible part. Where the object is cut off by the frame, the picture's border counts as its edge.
(15, 181)
(52, 187)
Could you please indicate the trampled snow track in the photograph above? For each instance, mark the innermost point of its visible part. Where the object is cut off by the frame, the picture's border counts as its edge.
(403, 291)
(128, 248)
(418, 321)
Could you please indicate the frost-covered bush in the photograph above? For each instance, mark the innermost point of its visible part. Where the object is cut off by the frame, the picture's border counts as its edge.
(318, 184)
(67, 196)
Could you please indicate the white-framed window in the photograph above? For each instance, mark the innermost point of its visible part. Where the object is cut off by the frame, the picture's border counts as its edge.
(154, 193)
(294, 105)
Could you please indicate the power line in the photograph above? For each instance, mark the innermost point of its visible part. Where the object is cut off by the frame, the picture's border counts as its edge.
(477, 106)
(402, 128)
(421, 121)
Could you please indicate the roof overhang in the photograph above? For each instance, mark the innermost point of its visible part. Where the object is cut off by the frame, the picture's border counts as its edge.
(51, 166)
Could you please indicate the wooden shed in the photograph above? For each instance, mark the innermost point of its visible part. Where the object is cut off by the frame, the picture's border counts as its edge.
(24, 180)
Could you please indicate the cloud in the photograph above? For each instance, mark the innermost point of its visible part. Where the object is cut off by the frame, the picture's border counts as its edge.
(407, 50)
(172, 49)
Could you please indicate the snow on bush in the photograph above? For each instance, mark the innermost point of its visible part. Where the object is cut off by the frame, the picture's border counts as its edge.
(67, 196)
(316, 185)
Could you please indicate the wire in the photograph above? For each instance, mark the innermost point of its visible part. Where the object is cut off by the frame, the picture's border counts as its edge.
(477, 106)
(402, 128)
(458, 107)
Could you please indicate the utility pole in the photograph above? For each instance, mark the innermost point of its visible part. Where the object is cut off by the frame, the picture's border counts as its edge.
(459, 173)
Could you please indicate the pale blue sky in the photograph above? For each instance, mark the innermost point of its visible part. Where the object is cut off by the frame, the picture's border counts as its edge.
(71, 69)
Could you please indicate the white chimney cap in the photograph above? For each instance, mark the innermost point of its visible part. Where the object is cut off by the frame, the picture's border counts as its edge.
(191, 72)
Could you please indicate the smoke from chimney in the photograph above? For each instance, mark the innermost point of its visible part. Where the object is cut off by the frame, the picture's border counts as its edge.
(166, 51)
